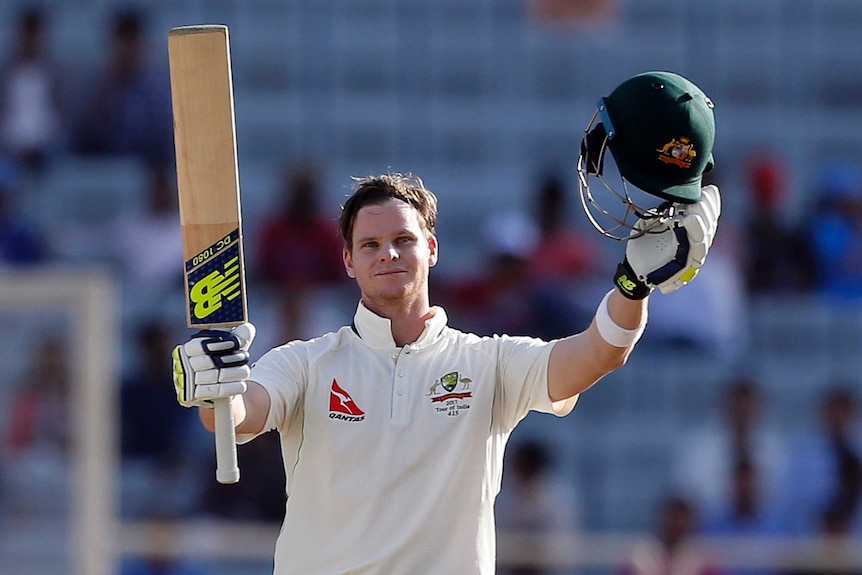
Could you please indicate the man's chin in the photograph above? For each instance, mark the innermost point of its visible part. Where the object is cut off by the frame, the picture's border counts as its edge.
(391, 294)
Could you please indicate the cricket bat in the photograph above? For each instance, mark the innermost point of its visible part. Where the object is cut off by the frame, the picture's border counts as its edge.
(209, 202)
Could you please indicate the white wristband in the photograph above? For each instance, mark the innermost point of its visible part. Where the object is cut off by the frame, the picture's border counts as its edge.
(612, 333)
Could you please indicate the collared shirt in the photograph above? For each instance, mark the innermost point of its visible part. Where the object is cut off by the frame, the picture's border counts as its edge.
(393, 455)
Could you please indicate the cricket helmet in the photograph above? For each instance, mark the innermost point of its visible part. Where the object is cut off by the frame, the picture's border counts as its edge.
(660, 130)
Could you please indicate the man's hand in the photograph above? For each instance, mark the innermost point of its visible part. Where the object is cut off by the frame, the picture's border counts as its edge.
(670, 255)
(213, 364)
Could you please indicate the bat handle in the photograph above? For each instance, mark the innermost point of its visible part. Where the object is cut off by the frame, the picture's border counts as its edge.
(227, 470)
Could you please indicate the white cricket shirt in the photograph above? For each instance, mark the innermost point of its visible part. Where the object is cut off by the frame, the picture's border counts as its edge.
(393, 456)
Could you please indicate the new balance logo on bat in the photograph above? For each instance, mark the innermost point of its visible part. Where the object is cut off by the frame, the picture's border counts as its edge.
(209, 292)
(215, 283)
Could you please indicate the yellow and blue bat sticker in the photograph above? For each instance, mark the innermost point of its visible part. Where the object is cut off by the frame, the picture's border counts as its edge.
(215, 283)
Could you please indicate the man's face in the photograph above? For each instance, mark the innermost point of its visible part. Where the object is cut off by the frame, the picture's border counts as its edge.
(391, 254)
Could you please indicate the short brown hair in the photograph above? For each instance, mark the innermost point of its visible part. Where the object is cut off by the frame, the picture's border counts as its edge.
(373, 190)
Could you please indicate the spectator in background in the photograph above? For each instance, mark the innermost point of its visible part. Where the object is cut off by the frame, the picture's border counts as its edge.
(711, 318)
(157, 464)
(39, 410)
(38, 432)
(30, 117)
(165, 536)
(147, 245)
(161, 566)
(299, 251)
(778, 257)
(563, 260)
(297, 239)
(140, 240)
(838, 550)
(259, 495)
(561, 254)
(746, 514)
(718, 462)
(499, 297)
(671, 552)
(127, 109)
(21, 242)
(826, 466)
(507, 294)
(835, 232)
(535, 502)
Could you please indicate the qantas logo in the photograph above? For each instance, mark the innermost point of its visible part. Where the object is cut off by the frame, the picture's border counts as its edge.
(342, 406)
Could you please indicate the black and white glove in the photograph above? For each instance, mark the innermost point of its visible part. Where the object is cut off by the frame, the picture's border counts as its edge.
(213, 364)
(670, 255)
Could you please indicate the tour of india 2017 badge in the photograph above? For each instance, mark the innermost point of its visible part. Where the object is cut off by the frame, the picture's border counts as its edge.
(451, 393)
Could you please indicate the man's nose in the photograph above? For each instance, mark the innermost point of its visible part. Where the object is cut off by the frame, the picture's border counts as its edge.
(390, 253)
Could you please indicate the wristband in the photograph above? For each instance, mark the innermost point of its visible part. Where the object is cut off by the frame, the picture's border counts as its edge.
(628, 284)
(612, 333)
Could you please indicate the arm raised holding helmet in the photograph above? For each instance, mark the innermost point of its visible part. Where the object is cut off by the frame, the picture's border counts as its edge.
(659, 129)
(670, 255)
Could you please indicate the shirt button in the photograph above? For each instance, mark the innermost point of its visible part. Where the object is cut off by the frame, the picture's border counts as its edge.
(400, 374)
(400, 392)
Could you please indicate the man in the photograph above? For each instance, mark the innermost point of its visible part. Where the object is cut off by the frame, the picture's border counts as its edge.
(393, 428)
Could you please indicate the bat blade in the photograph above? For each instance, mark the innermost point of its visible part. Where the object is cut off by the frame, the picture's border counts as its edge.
(209, 200)
(207, 175)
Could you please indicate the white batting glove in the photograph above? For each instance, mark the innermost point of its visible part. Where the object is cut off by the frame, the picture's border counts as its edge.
(213, 364)
(670, 256)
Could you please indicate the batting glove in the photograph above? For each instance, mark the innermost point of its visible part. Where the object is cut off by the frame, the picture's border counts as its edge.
(213, 364)
(669, 256)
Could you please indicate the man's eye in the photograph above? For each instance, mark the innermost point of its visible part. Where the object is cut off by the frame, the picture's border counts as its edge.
(369, 245)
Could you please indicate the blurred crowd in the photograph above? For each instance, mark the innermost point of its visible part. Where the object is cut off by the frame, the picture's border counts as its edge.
(540, 274)
(732, 478)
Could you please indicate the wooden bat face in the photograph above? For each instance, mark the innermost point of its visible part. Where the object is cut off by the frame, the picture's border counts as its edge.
(207, 175)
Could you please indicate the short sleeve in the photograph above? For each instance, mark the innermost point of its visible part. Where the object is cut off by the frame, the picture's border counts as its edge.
(523, 379)
(282, 372)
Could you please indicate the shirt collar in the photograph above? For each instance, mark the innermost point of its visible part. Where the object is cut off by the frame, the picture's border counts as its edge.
(376, 331)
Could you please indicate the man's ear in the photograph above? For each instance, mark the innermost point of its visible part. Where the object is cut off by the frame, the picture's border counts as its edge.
(347, 258)
(434, 249)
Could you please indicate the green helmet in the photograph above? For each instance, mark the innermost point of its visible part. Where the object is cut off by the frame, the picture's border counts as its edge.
(660, 130)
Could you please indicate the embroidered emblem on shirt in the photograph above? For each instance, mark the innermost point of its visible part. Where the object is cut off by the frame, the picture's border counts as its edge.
(451, 402)
(342, 406)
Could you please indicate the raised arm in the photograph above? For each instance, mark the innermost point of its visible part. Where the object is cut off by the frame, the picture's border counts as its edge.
(213, 364)
(666, 258)
(579, 361)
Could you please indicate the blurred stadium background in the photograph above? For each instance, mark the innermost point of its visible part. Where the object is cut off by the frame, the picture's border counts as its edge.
(480, 98)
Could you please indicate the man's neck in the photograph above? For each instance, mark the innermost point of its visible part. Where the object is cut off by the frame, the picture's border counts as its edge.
(407, 321)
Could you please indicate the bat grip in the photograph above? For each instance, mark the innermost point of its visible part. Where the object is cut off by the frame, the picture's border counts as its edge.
(227, 470)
